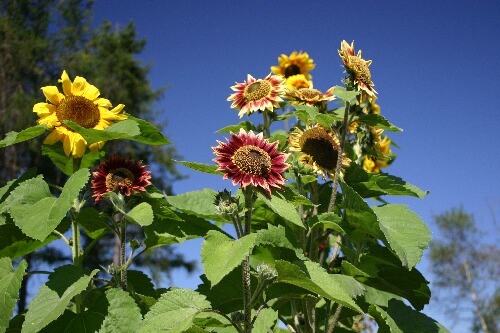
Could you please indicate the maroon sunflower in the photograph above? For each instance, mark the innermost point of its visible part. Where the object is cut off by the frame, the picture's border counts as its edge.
(249, 159)
(120, 174)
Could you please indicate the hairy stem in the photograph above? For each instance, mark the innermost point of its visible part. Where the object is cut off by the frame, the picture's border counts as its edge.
(247, 287)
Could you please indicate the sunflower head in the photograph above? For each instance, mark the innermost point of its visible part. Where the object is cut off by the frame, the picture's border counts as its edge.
(249, 159)
(121, 175)
(298, 81)
(79, 102)
(310, 96)
(295, 63)
(357, 67)
(261, 94)
(319, 149)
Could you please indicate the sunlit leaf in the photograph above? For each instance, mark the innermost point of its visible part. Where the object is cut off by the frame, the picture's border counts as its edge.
(123, 314)
(246, 125)
(283, 208)
(378, 121)
(142, 214)
(26, 134)
(200, 203)
(206, 168)
(10, 283)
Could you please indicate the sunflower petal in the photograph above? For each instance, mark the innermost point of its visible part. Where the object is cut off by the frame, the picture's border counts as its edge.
(66, 84)
(52, 94)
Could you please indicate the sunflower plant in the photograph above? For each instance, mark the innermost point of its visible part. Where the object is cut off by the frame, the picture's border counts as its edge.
(304, 241)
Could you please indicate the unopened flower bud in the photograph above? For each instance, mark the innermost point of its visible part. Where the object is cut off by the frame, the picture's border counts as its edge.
(225, 204)
(267, 272)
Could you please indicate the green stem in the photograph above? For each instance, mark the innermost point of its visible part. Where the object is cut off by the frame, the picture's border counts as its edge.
(267, 125)
(247, 288)
(123, 259)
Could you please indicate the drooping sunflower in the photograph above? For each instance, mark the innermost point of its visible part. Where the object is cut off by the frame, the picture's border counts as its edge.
(319, 149)
(298, 81)
(120, 174)
(357, 67)
(261, 94)
(375, 163)
(249, 159)
(309, 96)
(80, 103)
(295, 63)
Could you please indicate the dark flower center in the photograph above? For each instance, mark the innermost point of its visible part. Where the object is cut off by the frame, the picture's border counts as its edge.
(257, 90)
(360, 69)
(292, 69)
(322, 148)
(120, 177)
(80, 110)
(253, 160)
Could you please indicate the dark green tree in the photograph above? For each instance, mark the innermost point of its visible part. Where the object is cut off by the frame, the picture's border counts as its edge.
(467, 268)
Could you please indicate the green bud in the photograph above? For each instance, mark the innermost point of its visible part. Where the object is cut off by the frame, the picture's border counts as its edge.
(225, 204)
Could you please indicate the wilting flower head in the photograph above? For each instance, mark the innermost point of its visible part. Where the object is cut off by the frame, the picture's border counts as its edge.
(375, 163)
(319, 149)
(261, 94)
(298, 81)
(309, 96)
(120, 174)
(296, 63)
(80, 103)
(250, 159)
(357, 67)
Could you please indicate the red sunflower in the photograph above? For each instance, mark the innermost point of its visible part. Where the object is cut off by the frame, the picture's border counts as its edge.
(120, 174)
(249, 159)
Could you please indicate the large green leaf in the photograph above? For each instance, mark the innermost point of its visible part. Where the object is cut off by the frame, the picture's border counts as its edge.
(174, 312)
(345, 95)
(277, 236)
(378, 121)
(397, 317)
(246, 125)
(26, 134)
(221, 254)
(38, 219)
(283, 208)
(125, 129)
(95, 223)
(123, 314)
(206, 168)
(56, 154)
(200, 203)
(376, 184)
(312, 277)
(142, 214)
(150, 135)
(54, 296)
(405, 233)
(10, 282)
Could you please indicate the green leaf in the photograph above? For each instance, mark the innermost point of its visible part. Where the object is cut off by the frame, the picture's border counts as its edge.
(10, 283)
(376, 184)
(266, 321)
(221, 254)
(150, 135)
(174, 312)
(142, 214)
(306, 112)
(123, 315)
(345, 95)
(292, 197)
(206, 168)
(124, 129)
(327, 221)
(54, 296)
(56, 154)
(277, 236)
(327, 120)
(26, 134)
(400, 318)
(406, 234)
(40, 218)
(94, 223)
(378, 121)
(314, 278)
(246, 125)
(200, 203)
(283, 208)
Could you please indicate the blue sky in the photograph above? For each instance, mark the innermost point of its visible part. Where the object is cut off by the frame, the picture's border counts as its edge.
(435, 66)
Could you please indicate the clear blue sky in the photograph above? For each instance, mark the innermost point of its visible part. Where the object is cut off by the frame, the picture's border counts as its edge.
(435, 66)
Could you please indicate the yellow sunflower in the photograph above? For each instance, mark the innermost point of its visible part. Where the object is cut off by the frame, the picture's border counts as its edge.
(375, 163)
(297, 81)
(357, 67)
(295, 63)
(80, 103)
(319, 149)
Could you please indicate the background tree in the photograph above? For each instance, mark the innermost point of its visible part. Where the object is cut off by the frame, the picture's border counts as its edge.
(40, 38)
(466, 267)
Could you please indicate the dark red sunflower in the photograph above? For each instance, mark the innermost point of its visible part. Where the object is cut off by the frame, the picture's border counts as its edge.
(120, 174)
(249, 159)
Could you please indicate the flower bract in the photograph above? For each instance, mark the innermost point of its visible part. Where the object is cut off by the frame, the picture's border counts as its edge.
(357, 67)
(120, 174)
(79, 102)
(249, 159)
(319, 149)
(261, 94)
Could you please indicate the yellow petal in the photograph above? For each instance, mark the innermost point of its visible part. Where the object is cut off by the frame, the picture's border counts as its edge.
(117, 108)
(52, 94)
(66, 84)
(52, 138)
(79, 147)
(67, 144)
(79, 86)
(91, 92)
(96, 146)
(44, 109)
(103, 102)
(109, 115)
(50, 121)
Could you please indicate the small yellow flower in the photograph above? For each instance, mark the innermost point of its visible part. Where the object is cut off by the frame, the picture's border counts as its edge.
(357, 67)
(295, 63)
(297, 81)
(375, 163)
(80, 103)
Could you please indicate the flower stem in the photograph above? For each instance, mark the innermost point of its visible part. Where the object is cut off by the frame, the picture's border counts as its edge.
(267, 125)
(247, 287)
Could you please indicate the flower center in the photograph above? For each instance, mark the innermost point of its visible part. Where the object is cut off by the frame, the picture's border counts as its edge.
(252, 160)
(292, 69)
(360, 69)
(120, 177)
(310, 94)
(80, 110)
(318, 144)
(257, 90)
